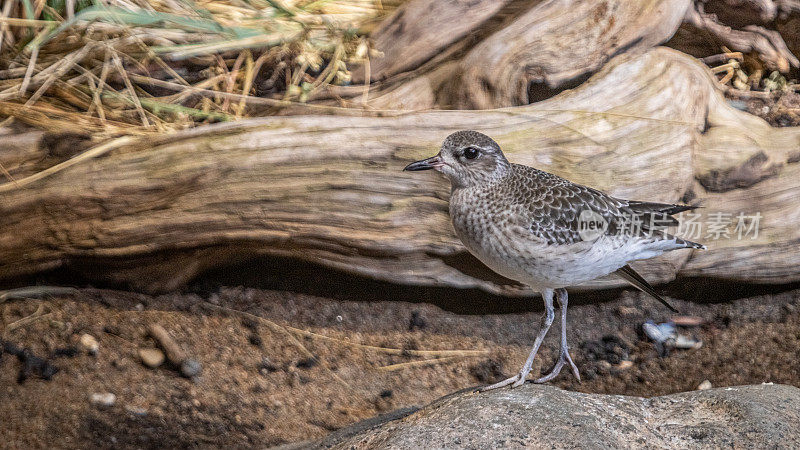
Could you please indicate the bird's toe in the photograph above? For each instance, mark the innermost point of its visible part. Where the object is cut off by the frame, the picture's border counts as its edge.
(574, 368)
(509, 381)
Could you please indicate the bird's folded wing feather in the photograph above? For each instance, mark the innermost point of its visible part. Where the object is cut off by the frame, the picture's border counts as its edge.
(548, 209)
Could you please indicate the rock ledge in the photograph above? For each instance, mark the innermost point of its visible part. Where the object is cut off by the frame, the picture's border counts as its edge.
(545, 416)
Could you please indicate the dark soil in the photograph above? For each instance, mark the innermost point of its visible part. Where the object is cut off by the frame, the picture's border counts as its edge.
(258, 387)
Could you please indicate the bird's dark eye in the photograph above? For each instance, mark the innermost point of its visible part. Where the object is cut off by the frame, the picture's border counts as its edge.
(471, 153)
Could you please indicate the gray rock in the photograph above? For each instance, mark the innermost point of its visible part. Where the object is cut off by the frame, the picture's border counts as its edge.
(190, 368)
(545, 416)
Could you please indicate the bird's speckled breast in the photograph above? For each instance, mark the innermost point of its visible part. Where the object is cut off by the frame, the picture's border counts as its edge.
(481, 223)
(484, 221)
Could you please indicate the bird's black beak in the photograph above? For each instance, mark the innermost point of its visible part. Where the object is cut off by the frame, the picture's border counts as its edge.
(431, 163)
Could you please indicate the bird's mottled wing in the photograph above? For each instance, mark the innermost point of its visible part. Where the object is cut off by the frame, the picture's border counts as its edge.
(549, 207)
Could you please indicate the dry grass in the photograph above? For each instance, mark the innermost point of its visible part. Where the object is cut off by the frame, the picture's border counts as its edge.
(121, 67)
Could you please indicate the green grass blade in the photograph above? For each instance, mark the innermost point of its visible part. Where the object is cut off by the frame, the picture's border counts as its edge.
(144, 18)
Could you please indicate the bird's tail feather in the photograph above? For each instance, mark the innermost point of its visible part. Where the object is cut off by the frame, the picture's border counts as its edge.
(627, 273)
(663, 208)
(652, 213)
(688, 244)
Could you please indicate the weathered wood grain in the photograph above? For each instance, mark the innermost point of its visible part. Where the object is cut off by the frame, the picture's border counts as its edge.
(559, 41)
(419, 30)
(497, 51)
(330, 189)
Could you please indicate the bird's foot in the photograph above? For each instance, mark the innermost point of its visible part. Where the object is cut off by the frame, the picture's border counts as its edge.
(515, 381)
(563, 359)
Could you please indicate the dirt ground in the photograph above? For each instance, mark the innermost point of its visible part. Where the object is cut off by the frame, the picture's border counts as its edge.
(263, 384)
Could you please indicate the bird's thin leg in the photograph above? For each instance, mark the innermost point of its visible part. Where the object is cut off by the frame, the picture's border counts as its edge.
(563, 358)
(547, 321)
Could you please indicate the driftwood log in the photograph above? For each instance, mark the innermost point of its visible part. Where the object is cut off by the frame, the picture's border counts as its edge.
(513, 52)
(154, 212)
(325, 185)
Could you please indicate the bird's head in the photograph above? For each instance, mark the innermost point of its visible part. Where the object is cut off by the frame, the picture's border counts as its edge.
(467, 158)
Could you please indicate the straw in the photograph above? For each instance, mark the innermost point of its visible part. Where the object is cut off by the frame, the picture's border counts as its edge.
(107, 64)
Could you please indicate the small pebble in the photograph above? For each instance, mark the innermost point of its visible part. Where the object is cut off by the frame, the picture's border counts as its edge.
(685, 342)
(190, 368)
(624, 365)
(151, 357)
(106, 399)
(136, 410)
(89, 344)
(705, 385)
(688, 321)
(627, 311)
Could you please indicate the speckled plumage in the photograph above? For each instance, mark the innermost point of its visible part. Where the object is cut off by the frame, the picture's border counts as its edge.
(525, 224)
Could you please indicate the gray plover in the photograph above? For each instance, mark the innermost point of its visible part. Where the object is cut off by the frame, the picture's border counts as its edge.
(545, 231)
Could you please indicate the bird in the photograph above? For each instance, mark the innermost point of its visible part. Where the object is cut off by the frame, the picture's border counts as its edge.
(547, 232)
